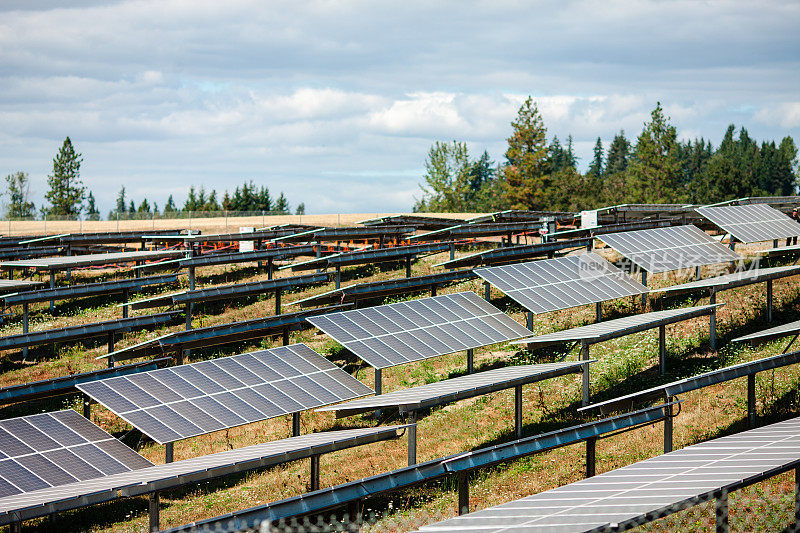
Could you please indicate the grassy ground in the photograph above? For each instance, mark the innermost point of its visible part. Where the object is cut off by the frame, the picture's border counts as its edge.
(624, 365)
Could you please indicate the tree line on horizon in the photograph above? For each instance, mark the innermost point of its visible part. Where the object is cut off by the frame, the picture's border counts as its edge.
(656, 168)
(67, 196)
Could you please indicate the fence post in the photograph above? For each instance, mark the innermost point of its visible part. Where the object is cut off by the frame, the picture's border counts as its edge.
(226, 221)
(190, 222)
(154, 219)
(117, 221)
(45, 223)
(262, 219)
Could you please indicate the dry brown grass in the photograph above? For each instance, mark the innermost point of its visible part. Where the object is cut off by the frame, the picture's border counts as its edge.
(624, 364)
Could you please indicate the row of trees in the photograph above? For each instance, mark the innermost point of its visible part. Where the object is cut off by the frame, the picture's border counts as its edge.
(658, 168)
(67, 196)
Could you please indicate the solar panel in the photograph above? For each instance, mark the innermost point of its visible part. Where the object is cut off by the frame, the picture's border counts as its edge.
(171, 404)
(752, 223)
(394, 334)
(737, 279)
(376, 289)
(188, 471)
(619, 327)
(630, 496)
(52, 449)
(511, 254)
(478, 230)
(88, 289)
(7, 285)
(85, 331)
(561, 283)
(374, 255)
(74, 261)
(771, 333)
(450, 390)
(697, 382)
(673, 248)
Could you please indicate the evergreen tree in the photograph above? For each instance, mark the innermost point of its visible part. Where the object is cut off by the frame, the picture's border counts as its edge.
(144, 207)
(596, 168)
(526, 173)
(282, 204)
(121, 200)
(66, 189)
(570, 159)
(92, 213)
(654, 173)
(191, 200)
(18, 190)
(447, 177)
(211, 204)
(263, 201)
(618, 154)
(131, 207)
(170, 206)
(301, 209)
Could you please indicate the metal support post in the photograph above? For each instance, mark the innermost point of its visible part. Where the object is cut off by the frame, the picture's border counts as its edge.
(314, 472)
(408, 266)
(585, 387)
(191, 278)
(52, 286)
(662, 349)
(10, 273)
(338, 277)
(295, 424)
(452, 251)
(87, 407)
(433, 290)
(412, 438)
(15, 527)
(668, 426)
(486, 290)
(751, 400)
(712, 321)
(125, 308)
(110, 349)
(470, 361)
(697, 272)
(25, 310)
(769, 300)
(269, 268)
(721, 508)
(644, 282)
(796, 498)
(598, 312)
(463, 493)
(169, 452)
(277, 301)
(529, 325)
(518, 411)
(774, 243)
(154, 523)
(591, 456)
(286, 336)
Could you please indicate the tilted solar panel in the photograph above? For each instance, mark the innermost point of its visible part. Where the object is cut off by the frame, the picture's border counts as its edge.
(170, 404)
(394, 334)
(561, 283)
(673, 248)
(752, 223)
(53, 449)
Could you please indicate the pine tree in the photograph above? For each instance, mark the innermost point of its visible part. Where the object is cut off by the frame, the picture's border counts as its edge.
(131, 207)
(66, 189)
(596, 167)
(92, 213)
(301, 209)
(144, 207)
(170, 206)
(121, 200)
(526, 173)
(654, 173)
(618, 154)
(18, 191)
(282, 204)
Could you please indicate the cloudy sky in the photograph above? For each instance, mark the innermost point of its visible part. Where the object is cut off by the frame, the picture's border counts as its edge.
(337, 102)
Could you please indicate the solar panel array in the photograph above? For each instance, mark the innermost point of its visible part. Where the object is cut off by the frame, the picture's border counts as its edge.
(673, 248)
(74, 261)
(450, 390)
(625, 497)
(621, 326)
(52, 449)
(752, 223)
(394, 334)
(778, 331)
(170, 404)
(561, 283)
(737, 279)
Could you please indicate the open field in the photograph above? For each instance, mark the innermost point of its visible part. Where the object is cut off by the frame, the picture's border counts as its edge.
(206, 225)
(624, 365)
